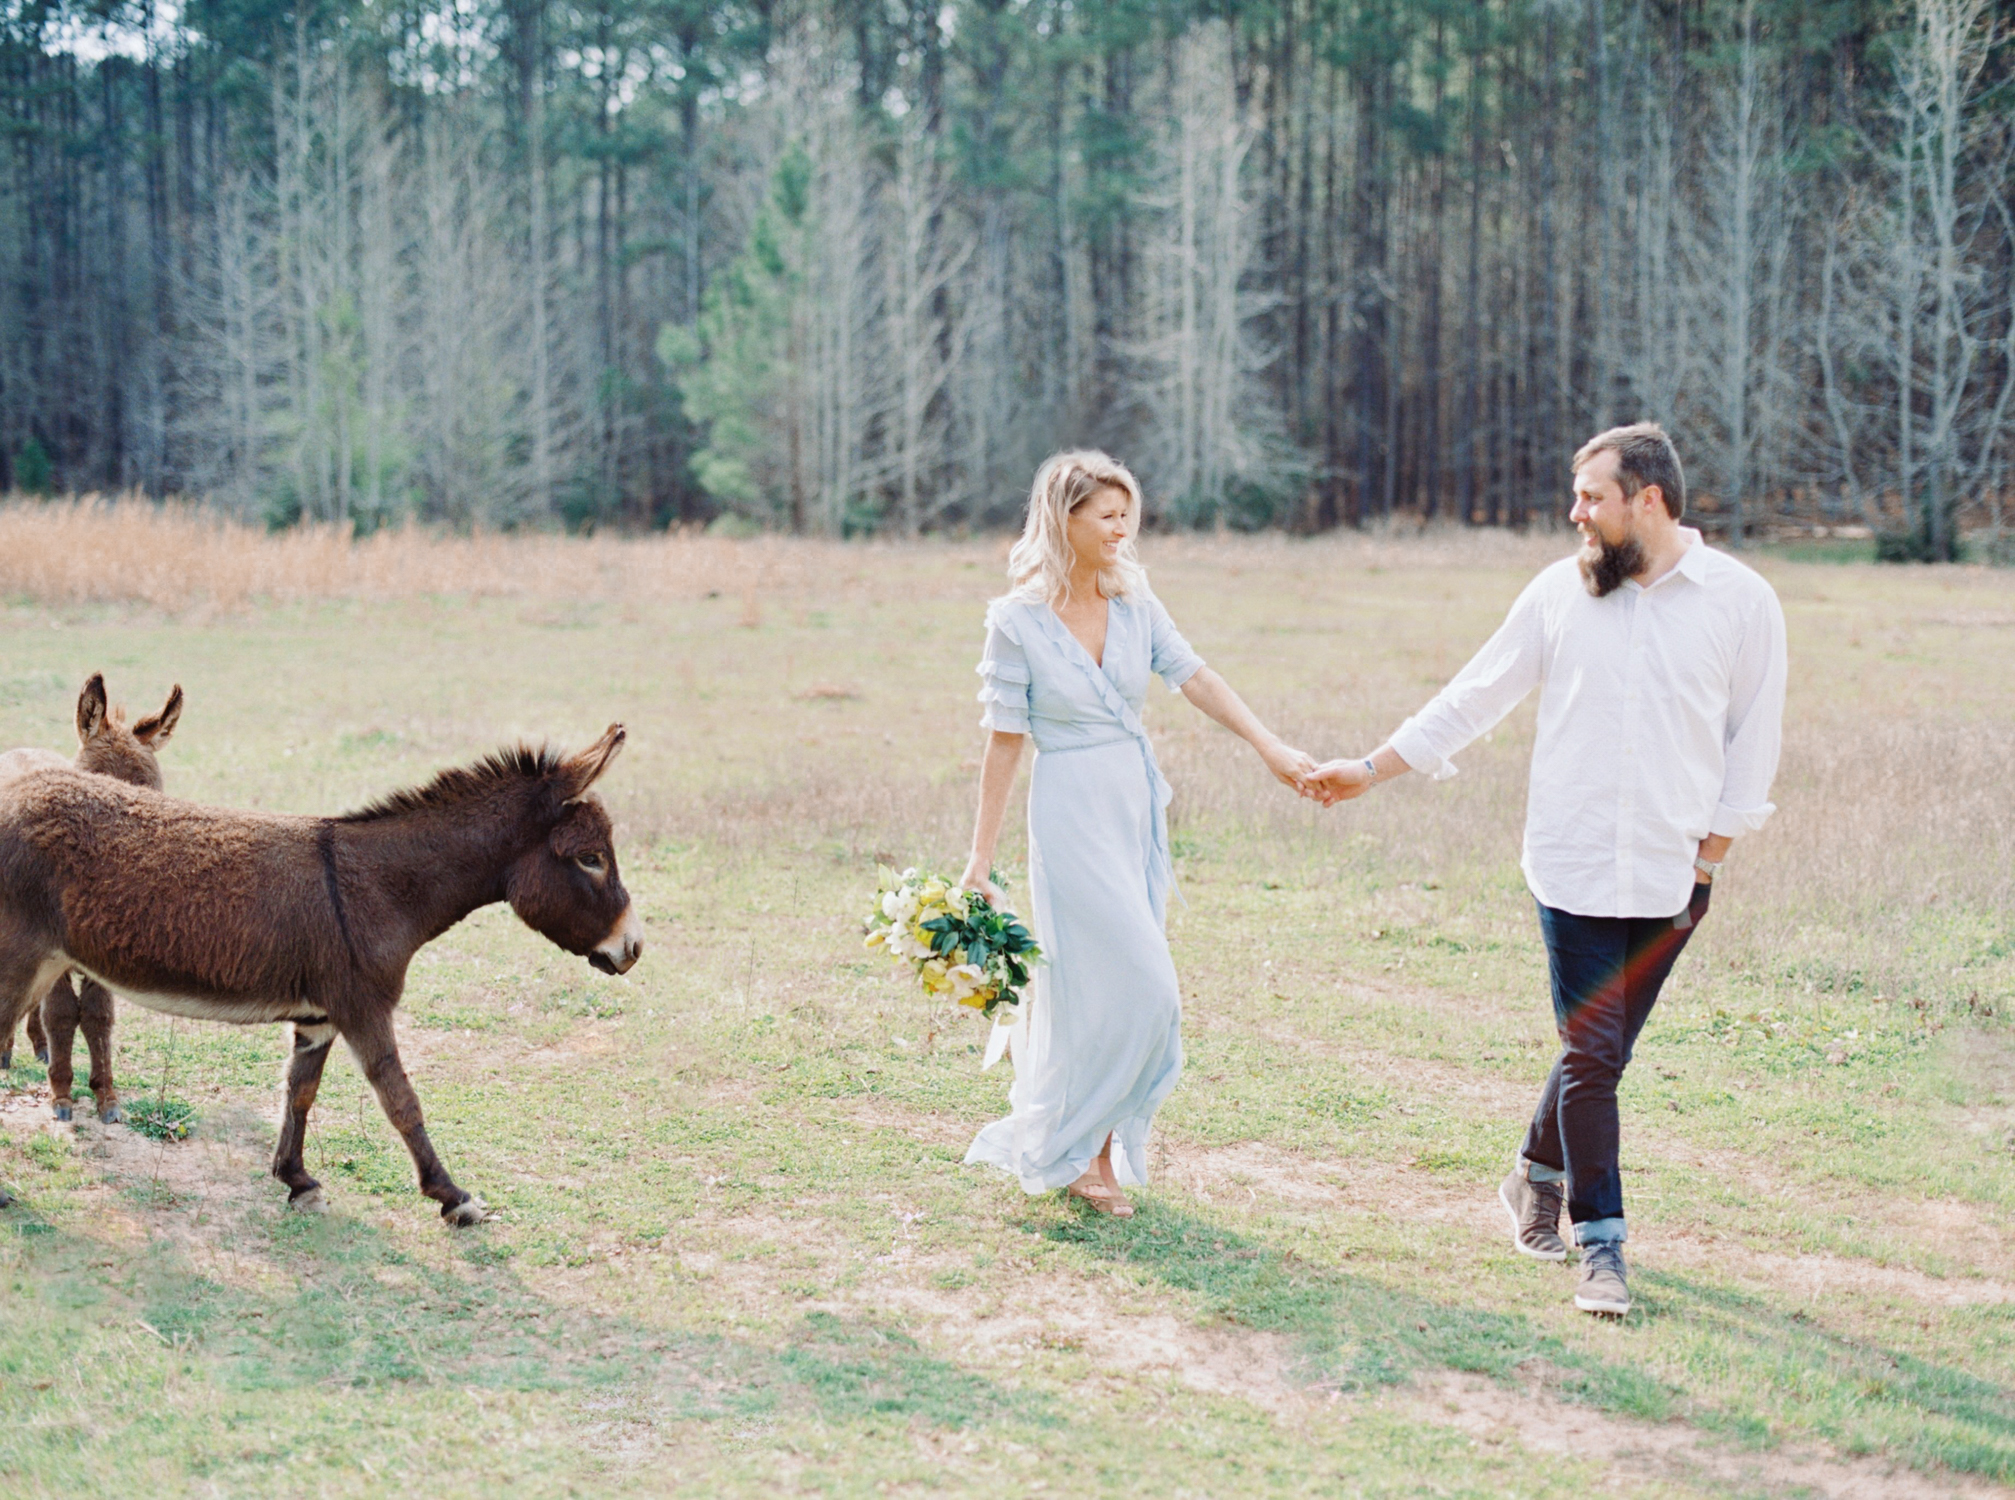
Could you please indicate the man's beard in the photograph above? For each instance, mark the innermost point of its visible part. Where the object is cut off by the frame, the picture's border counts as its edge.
(1605, 567)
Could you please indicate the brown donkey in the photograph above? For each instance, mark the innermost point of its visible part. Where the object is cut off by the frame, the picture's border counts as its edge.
(251, 917)
(104, 745)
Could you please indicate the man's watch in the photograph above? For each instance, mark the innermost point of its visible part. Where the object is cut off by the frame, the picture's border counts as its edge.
(1372, 767)
(1707, 867)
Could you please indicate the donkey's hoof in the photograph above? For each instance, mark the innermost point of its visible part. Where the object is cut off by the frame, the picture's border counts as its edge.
(62, 1109)
(111, 1115)
(6, 1198)
(42, 1056)
(471, 1210)
(309, 1202)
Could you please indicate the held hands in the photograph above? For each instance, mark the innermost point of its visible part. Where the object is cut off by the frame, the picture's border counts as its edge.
(1291, 767)
(1338, 781)
(1329, 783)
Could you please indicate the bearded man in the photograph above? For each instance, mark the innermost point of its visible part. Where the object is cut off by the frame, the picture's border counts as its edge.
(1660, 664)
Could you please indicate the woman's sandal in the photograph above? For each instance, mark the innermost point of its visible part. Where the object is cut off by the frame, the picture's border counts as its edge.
(1103, 1199)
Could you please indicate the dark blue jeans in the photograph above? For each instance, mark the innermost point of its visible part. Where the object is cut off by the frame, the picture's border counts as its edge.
(1606, 972)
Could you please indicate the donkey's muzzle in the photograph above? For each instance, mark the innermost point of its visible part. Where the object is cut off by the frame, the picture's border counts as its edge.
(624, 947)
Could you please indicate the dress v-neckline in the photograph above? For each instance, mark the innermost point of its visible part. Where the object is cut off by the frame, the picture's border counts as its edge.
(1105, 645)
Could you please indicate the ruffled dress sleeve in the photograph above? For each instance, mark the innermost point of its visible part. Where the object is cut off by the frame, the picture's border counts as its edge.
(1173, 661)
(1004, 676)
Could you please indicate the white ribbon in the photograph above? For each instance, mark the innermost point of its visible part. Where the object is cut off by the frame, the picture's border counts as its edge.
(997, 1042)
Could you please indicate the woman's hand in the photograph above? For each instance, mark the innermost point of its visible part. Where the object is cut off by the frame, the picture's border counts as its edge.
(1290, 766)
(979, 877)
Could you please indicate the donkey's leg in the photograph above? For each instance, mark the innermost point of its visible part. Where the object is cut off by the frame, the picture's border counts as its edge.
(7, 1043)
(38, 1037)
(59, 1012)
(25, 977)
(377, 1052)
(304, 1078)
(94, 1013)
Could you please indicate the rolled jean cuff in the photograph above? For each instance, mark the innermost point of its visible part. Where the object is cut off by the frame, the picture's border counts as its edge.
(1540, 1172)
(1600, 1232)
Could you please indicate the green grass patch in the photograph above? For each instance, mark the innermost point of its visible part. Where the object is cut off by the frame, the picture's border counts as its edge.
(159, 1117)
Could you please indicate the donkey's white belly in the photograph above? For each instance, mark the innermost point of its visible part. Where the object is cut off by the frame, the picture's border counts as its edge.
(205, 1008)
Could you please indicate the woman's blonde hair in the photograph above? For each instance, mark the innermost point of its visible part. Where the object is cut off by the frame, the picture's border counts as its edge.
(1039, 565)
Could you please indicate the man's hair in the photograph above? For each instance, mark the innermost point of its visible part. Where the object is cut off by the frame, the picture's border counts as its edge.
(1644, 455)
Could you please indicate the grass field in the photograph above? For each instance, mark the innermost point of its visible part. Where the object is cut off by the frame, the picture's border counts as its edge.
(737, 1253)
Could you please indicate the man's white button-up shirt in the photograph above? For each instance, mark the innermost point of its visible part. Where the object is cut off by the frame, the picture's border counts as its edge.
(1660, 719)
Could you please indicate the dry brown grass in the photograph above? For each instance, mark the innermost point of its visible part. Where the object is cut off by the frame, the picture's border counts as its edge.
(178, 557)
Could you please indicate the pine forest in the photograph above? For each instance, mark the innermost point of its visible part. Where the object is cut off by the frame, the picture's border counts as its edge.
(855, 266)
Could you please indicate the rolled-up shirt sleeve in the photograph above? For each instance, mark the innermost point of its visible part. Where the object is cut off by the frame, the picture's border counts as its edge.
(1507, 668)
(1755, 722)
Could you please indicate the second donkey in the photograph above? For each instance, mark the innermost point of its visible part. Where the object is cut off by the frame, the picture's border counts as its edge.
(104, 745)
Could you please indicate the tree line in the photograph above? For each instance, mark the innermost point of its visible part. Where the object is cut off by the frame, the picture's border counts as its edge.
(842, 266)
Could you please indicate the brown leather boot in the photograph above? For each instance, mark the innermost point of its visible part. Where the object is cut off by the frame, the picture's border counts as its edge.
(1535, 1215)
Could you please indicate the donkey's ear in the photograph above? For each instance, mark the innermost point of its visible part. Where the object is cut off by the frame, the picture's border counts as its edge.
(580, 771)
(91, 708)
(153, 731)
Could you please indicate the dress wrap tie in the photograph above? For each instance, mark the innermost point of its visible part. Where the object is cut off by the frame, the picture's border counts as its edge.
(1160, 862)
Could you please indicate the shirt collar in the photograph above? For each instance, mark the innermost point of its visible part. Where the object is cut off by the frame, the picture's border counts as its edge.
(1693, 562)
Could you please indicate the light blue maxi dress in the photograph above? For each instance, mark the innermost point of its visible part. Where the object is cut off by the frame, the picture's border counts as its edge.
(1098, 1046)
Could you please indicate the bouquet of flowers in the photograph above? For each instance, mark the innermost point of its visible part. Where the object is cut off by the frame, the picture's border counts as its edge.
(954, 939)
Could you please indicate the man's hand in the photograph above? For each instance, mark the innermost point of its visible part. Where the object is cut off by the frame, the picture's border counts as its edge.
(1714, 849)
(1338, 781)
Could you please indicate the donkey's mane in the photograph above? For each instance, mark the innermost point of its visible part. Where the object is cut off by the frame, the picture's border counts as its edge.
(514, 763)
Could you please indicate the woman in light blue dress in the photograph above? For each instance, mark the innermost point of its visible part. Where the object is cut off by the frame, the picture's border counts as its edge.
(1068, 654)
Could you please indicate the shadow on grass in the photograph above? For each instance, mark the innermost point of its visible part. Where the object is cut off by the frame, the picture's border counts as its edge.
(1353, 1333)
(350, 1310)
(858, 1370)
(1853, 1391)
